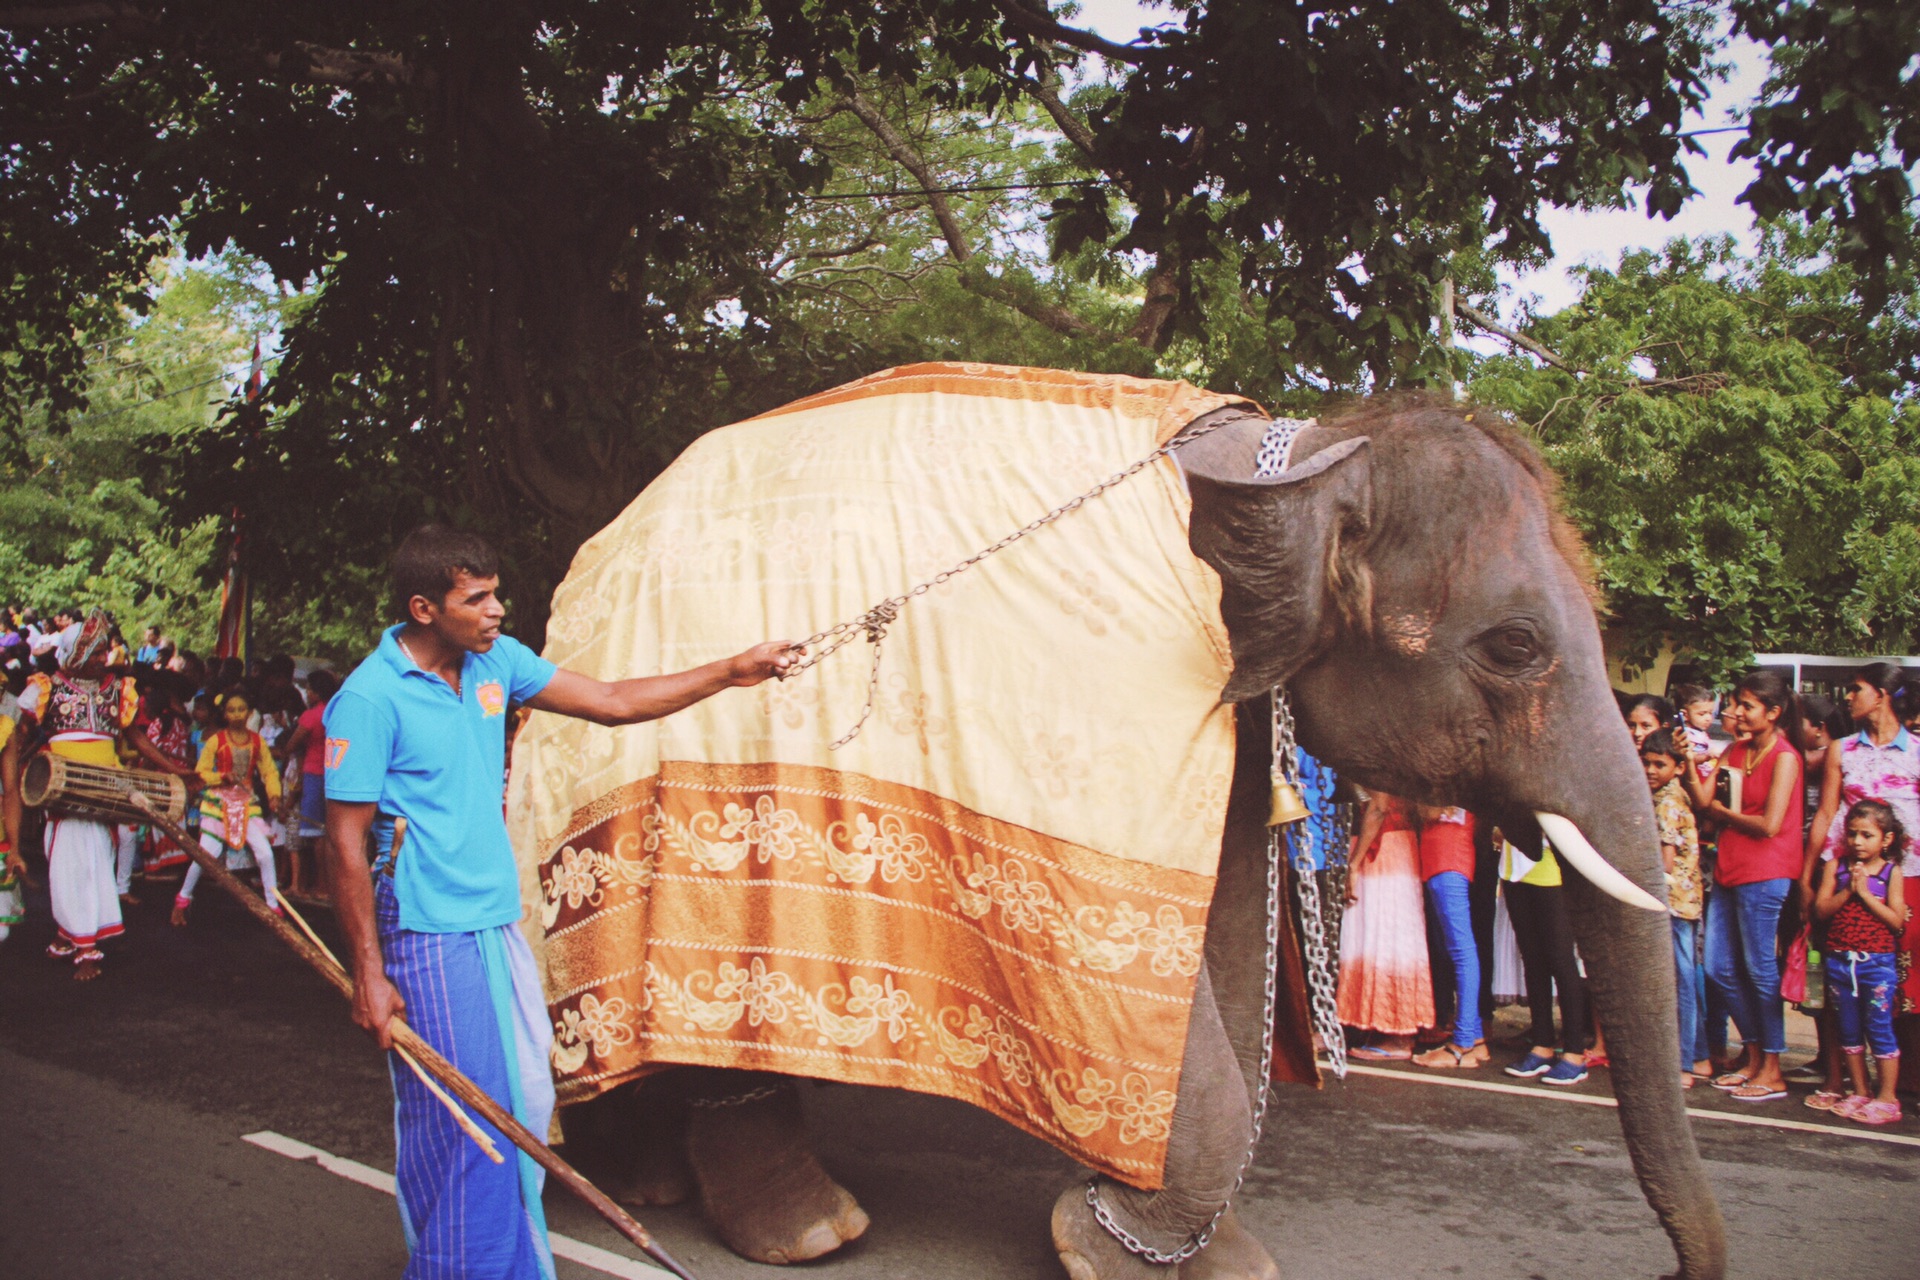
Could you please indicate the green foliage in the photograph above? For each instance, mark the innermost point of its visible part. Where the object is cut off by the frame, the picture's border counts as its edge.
(1743, 450)
(1838, 128)
(78, 524)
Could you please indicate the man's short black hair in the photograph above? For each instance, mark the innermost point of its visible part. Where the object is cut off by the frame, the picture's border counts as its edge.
(431, 559)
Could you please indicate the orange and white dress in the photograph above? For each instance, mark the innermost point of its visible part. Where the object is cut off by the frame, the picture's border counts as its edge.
(1385, 982)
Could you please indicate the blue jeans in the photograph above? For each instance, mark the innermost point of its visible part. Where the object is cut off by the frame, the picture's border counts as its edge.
(1687, 982)
(1860, 984)
(1743, 925)
(1447, 892)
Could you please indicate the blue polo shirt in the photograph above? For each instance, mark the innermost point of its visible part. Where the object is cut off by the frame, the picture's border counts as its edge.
(402, 738)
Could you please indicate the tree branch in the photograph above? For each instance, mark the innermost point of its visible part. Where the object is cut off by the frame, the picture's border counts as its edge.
(914, 163)
(974, 277)
(1517, 338)
(1045, 27)
(67, 15)
(345, 67)
(1046, 91)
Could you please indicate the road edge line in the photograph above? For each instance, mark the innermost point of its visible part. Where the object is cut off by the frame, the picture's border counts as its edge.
(1494, 1086)
(564, 1246)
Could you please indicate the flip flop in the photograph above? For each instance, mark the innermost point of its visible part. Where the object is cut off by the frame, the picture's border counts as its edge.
(1732, 1080)
(1756, 1093)
(1451, 1057)
(1374, 1053)
(1823, 1100)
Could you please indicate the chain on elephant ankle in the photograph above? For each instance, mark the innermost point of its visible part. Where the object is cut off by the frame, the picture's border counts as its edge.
(1140, 1248)
(761, 1094)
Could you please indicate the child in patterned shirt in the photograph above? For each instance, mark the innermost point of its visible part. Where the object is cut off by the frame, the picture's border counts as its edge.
(1664, 756)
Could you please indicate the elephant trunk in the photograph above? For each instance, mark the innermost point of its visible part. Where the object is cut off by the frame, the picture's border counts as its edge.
(1630, 968)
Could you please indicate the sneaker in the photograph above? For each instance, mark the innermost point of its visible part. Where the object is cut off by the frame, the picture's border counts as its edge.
(1564, 1072)
(1530, 1066)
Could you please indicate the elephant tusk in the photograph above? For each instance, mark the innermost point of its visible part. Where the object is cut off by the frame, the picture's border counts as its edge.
(1584, 858)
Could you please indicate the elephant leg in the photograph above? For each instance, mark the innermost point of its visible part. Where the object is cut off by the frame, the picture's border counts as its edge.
(763, 1190)
(634, 1140)
(1211, 1129)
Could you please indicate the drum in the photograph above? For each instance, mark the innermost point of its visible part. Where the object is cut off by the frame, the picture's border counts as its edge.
(105, 795)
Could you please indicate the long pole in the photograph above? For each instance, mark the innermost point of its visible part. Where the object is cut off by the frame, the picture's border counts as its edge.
(405, 1037)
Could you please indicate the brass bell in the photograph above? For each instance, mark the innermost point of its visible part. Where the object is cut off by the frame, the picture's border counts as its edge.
(1287, 806)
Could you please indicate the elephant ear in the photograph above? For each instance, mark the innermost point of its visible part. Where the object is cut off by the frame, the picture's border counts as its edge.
(1287, 549)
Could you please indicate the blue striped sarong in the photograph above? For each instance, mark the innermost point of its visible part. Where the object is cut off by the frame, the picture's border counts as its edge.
(477, 999)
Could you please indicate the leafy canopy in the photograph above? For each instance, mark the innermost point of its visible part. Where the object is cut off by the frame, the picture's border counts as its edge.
(1742, 450)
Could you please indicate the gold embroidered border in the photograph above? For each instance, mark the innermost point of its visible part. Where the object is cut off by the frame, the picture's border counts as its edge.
(1173, 404)
(802, 920)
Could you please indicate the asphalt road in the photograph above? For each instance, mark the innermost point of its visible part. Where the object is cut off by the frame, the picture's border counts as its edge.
(125, 1102)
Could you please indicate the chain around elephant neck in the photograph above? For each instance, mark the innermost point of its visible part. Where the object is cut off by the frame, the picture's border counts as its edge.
(874, 622)
(1270, 992)
(1306, 888)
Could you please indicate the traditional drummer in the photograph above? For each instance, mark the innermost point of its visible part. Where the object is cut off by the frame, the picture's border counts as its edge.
(83, 710)
(418, 731)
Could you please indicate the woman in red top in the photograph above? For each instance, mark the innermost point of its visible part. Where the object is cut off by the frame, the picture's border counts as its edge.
(1446, 864)
(1759, 865)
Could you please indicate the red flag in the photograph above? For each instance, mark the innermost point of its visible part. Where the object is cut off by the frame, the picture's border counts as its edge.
(255, 374)
(231, 640)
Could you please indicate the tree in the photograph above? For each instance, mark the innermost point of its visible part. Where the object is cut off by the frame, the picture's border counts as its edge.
(549, 241)
(77, 524)
(1739, 441)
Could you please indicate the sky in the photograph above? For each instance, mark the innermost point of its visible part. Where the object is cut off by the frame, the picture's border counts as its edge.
(1584, 237)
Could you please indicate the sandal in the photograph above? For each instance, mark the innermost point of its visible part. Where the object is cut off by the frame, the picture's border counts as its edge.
(1450, 1057)
(1375, 1053)
(1823, 1100)
(1845, 1108)
(1757, 1093)
(1876, 1113)
(1732, 1080)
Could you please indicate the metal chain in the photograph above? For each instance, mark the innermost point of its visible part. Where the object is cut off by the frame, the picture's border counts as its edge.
(1339, 834)
(1262, 1085)
(739, 1099)
(875, 621)
(1320, 978)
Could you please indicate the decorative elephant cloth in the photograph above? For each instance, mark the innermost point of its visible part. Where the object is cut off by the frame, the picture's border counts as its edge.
(998, 891)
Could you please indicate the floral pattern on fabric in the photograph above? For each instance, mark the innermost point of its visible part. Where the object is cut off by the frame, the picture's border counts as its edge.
(1673, 820)
(790, 919)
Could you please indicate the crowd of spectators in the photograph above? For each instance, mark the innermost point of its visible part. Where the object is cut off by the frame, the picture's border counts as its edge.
(245, 738)
(1786, 826)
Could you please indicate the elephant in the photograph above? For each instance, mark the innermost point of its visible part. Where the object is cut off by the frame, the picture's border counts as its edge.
(1411, 583)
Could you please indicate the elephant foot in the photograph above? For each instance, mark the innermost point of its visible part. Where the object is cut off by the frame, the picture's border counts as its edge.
(1089, 1252)
(656, 1172)
(763, 1189)
(1232, 1254)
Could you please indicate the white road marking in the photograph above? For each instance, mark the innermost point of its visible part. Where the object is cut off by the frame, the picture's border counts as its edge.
(587, 1255)
(1525, 1091)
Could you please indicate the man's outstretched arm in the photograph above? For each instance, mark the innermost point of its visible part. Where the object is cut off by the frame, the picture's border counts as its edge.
(650, 697)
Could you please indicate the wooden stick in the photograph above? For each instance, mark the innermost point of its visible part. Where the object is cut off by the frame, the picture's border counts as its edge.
(460, 1117)
(405, 1037)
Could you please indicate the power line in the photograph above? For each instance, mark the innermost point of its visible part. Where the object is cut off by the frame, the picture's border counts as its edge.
(164, 395)
(963, 189)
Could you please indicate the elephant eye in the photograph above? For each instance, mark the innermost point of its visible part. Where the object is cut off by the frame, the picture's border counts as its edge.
(1511, 647)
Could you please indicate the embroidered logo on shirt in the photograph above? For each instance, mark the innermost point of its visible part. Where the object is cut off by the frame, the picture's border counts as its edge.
(337, 751)
(493, 699)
